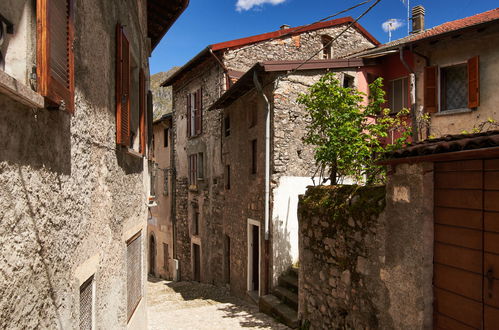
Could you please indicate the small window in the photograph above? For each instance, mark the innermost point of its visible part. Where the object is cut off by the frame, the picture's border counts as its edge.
(227, 125)
(193, 170)
(398, 95)
(454, 87)
(153, 167)
(227, 177)
(326, 44)
(348, 81)
(87, 304)
(200, 166)
(134, 274)
(253, 157)
(166, 183)
(195, 222)
(166, 135)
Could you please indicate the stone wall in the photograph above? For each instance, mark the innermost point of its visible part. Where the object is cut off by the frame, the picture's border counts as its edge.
(69, 198)
(298, 47)
(366, 254)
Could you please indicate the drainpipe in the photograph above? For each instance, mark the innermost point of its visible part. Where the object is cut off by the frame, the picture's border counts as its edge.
(267, 177)
(412, 78)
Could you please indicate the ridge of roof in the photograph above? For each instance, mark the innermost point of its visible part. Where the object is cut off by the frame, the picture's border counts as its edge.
(292, 31)
(447, 27)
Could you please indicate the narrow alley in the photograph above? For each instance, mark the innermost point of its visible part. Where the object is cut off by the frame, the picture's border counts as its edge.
(192, 305)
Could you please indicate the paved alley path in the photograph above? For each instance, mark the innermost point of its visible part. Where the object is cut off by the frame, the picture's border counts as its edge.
(193, 306)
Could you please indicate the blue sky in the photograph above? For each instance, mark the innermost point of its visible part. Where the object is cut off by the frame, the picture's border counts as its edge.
(210, 21)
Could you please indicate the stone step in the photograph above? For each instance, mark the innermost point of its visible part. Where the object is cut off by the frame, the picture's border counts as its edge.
(287, 296)
(289, 281)
(271, 305)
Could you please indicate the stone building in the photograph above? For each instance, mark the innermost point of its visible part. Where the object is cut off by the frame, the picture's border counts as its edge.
(211, 246)
(74, 178)
(160, 223)
(448, 71)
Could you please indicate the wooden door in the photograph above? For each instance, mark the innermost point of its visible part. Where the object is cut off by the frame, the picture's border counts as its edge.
(466, 250)
(256, 259)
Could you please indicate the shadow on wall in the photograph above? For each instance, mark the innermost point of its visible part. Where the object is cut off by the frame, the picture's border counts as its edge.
(39, 139)
(281, 243)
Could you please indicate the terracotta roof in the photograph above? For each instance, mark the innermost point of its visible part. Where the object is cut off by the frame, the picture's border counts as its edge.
(246, 83)
(160, 17)
(292, 31)
(445, 145)
(437, 31)
(263, 37)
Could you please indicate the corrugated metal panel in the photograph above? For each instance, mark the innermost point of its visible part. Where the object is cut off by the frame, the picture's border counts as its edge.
(134, 274)
(86, 305)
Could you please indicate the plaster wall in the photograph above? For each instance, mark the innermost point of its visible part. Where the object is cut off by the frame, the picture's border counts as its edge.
(68, 196)
(455, 51)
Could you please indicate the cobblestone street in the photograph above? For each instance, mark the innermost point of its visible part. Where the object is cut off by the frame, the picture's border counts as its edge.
(190, 305)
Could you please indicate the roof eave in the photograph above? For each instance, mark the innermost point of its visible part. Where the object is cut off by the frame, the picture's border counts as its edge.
(155, 41)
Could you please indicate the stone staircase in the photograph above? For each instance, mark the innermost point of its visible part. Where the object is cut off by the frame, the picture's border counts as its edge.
(282, 304)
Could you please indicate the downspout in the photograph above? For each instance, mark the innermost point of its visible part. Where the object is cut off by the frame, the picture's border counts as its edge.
(267, 178)
(412, 78)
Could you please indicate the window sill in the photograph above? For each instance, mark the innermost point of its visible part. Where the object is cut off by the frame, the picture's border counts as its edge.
(134, 153)
(194, 136)
(453, 112)
(20, 92)
(193, 188)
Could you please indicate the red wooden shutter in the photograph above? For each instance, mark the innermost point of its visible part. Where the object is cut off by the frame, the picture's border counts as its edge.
(430, 89)
(142, 111)
(473, 82)
(197, 112)
(122, 88)
(55, 54)
(188, 117)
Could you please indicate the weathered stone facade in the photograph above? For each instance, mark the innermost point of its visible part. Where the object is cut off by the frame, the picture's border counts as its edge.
(224, 214)
(366, 259)
(70, 198)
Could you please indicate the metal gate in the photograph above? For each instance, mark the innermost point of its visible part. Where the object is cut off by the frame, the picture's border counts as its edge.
(466, 251)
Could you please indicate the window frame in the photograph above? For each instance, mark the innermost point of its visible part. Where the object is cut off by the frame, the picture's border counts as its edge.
(440, 91)
(194, 113)
(254, 157)
(192, 169)
(327, 51)
(406, 96)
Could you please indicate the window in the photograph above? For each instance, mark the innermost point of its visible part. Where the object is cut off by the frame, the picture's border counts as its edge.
(452, 87)
(348, 81)
(193, 170)
(87, 304)
(227, 177)
(55, 56)
(195, 223)
(166, 135)
(253, 157)
(200, 166)
(131, 98)
(195, 113)
(166, 257)
(398, 94)
(326, 44)
(153, 168)
(227, 125)
(165, 183)
(134, 273)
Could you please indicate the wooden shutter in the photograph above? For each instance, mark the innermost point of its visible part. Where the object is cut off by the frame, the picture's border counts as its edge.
(55, 53)
(430, 89)
(188, 103)
(149, 121)
(197, 112)
(142, 111)
(473, 82)
(122, 88)
(200, 110)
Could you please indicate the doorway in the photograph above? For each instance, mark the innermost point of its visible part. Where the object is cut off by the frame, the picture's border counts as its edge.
(254, 256)
(196, 252)
(152, 256)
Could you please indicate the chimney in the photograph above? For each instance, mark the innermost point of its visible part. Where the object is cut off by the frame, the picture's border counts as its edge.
(285, 26)
(418, 19)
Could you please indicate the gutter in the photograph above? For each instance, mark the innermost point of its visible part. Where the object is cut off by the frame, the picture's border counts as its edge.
(259, 88)
(412, 78)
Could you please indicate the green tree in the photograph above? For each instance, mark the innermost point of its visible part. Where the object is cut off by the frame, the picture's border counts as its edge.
(347, 132)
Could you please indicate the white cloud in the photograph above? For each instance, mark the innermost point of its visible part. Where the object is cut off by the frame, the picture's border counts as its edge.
(392, 24)
(248, 4)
